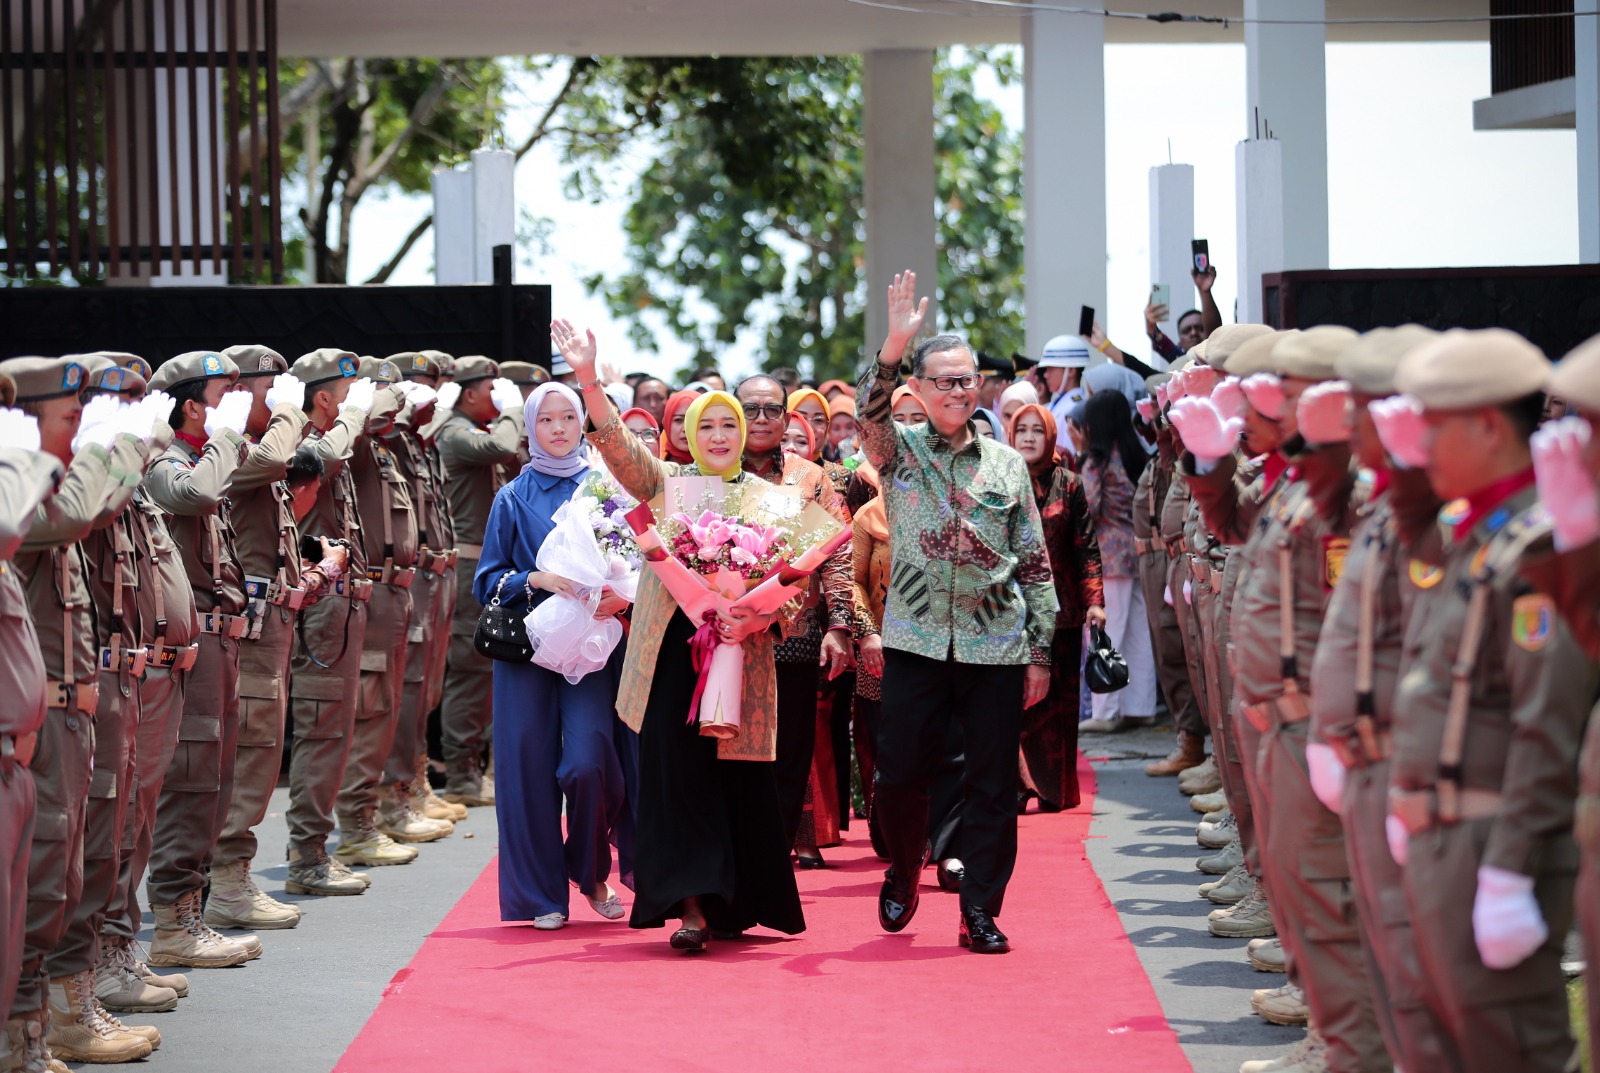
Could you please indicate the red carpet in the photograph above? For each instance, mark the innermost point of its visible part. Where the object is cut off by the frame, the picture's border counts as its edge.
(843, 996)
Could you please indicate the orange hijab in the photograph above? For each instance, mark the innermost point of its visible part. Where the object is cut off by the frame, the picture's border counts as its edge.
(1041, 470)
(676, 402)
(872, 518)
(801, 395)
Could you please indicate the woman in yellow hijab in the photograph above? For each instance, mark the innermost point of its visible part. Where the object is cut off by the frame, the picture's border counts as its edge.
(711, 850)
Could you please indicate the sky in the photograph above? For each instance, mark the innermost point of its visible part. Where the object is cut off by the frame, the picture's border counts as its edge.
(1410, 183)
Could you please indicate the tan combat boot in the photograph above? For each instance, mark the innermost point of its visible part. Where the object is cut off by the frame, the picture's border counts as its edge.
(1208, 781)
(183, 938)
(401, 821)
(317, 873)
(371, 847)
(1224, 861)
(1283, 1005)
(1217, 835)
(1189, 751)
(1231, 889)
(1310, 1055)
(176, 980)
(429, 803)
(1206, 803)
(79, 1033)
(25, 1050)
(1251, 918)
(467, 784)
(119, 986)
(1209, 764)
(236, 901)
(1266, 955)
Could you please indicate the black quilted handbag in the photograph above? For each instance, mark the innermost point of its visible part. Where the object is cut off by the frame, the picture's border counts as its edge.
(1105, 669)
(500, 634)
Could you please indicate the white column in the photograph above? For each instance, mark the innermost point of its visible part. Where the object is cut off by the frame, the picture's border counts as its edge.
(1064, 172)
(494, 208)
(1258, 170)
(898, 176)
(1586, 33)
(452, 226)
(1286, 88)
(1171, 231)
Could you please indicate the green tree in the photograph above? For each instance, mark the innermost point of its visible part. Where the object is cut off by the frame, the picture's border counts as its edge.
(749, 208)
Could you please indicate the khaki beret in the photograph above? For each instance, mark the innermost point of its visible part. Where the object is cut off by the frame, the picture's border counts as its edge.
(475, 367)
(1254, 355)
(1197, 352)
(1370, 362)
(321, 366)
(38, 379)
(1309, 355)
(1577, 377)
(195, 365)
(8, 390)
(133, 363)
(520, 372)
(445, 362)
(102, 373)
(416, 363)
(1473, 369)
(382, 370)
(1221, 344)
(255, 360)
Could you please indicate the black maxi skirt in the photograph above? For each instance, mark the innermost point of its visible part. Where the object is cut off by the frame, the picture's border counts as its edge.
(708, 828)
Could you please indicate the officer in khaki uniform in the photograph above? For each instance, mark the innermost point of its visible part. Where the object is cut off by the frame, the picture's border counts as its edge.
(51, 566)
(1494, 694)
(190, 482)
(478, 444)
(28, 476)
(267, 539)
(1353, 680)
(389, 532)
(326, 667)
(1567, 461)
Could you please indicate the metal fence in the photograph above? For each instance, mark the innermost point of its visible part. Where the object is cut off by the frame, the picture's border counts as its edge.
(140, 137)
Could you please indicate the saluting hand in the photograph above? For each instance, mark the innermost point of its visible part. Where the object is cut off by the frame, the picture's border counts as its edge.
(449, 394)
(1265, 394)
(1323, 413)
(1229, 398)
(1402, 430)
(1566, 487)
(1207, 434)
(286, 390)
(19, 430)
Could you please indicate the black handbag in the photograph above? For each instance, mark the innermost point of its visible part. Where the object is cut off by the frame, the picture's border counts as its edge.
(1104, 668)
(500, 634)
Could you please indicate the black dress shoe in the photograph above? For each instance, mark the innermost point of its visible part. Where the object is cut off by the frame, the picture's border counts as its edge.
(810, 862)
(1022, 800)
(951, 873)
(896, 905)
(691, 940)
(1048, 806)
(979, 933)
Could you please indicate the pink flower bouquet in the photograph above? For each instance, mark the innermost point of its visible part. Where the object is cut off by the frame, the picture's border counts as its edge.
(724, 546)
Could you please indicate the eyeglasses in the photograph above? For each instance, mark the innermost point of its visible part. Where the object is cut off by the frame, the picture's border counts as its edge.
(966, 382)
(770, 411)
(653, 435)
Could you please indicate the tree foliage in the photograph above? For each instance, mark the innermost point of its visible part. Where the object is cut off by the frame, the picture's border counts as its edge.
(749, 209)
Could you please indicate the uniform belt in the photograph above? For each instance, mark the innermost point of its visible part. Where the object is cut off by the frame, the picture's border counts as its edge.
(1177, 545)
(260, 588)
(1354, 754)
(469, 551)
(399, 577)
(357, 588)
(18, 748)
(1199, 570)
(231, 626)
(1285, 710)
(1216, 581)
(133, 660)
(437, 561)
(1142, 546)
(167, 657)
(1418, 810)
(85, 698)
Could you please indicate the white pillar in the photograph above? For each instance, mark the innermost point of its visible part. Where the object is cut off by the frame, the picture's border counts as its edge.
(898, 176)
(1171, 231)
(1258, 170)
(494, 208)
(1586, 34)
(1286, 88)
(452, 226)
(1064, 172)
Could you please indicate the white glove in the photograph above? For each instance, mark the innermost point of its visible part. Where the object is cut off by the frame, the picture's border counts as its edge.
(449, 394)
(287, 390)
(505, 395)
(156, 408)
(359, 398)
(231, 412)
(1199, 381)
(1323, 413)
(420, 395)
(1161, 395)
(1399, 839)
(1188, 592)
(1327, 775)
(1566, 487)
(1265, 394)
(1506, 922)
(1147, 409)
(1401, 429)
(1175, 387)
(99, 422)
(131, 421)
(18, 430)
(1229, 399)
(1206, 433)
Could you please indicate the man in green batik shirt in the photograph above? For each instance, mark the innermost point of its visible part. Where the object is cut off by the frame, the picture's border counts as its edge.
(968, 623)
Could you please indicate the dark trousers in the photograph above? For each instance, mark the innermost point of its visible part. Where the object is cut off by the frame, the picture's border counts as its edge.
(797, 739)
(924, 702)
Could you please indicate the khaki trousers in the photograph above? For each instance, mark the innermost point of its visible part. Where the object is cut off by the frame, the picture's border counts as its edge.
(1172, 670)
(411, 727)
(155, 742)
(199, 784)
(1177, 574)
(16, 839)
(322, 702)
(263, 712)
(468, 683)
(383, 659)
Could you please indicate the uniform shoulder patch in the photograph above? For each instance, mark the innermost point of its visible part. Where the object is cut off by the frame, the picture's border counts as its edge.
(1424, 575)
(1334, 552)
(1478, 559)
(1532, 621)
(1454, 512)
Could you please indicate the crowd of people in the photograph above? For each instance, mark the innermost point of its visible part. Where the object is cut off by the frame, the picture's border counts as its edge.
(1357, 564)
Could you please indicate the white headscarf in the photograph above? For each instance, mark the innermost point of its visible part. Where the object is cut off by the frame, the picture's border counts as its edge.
(568, 465)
